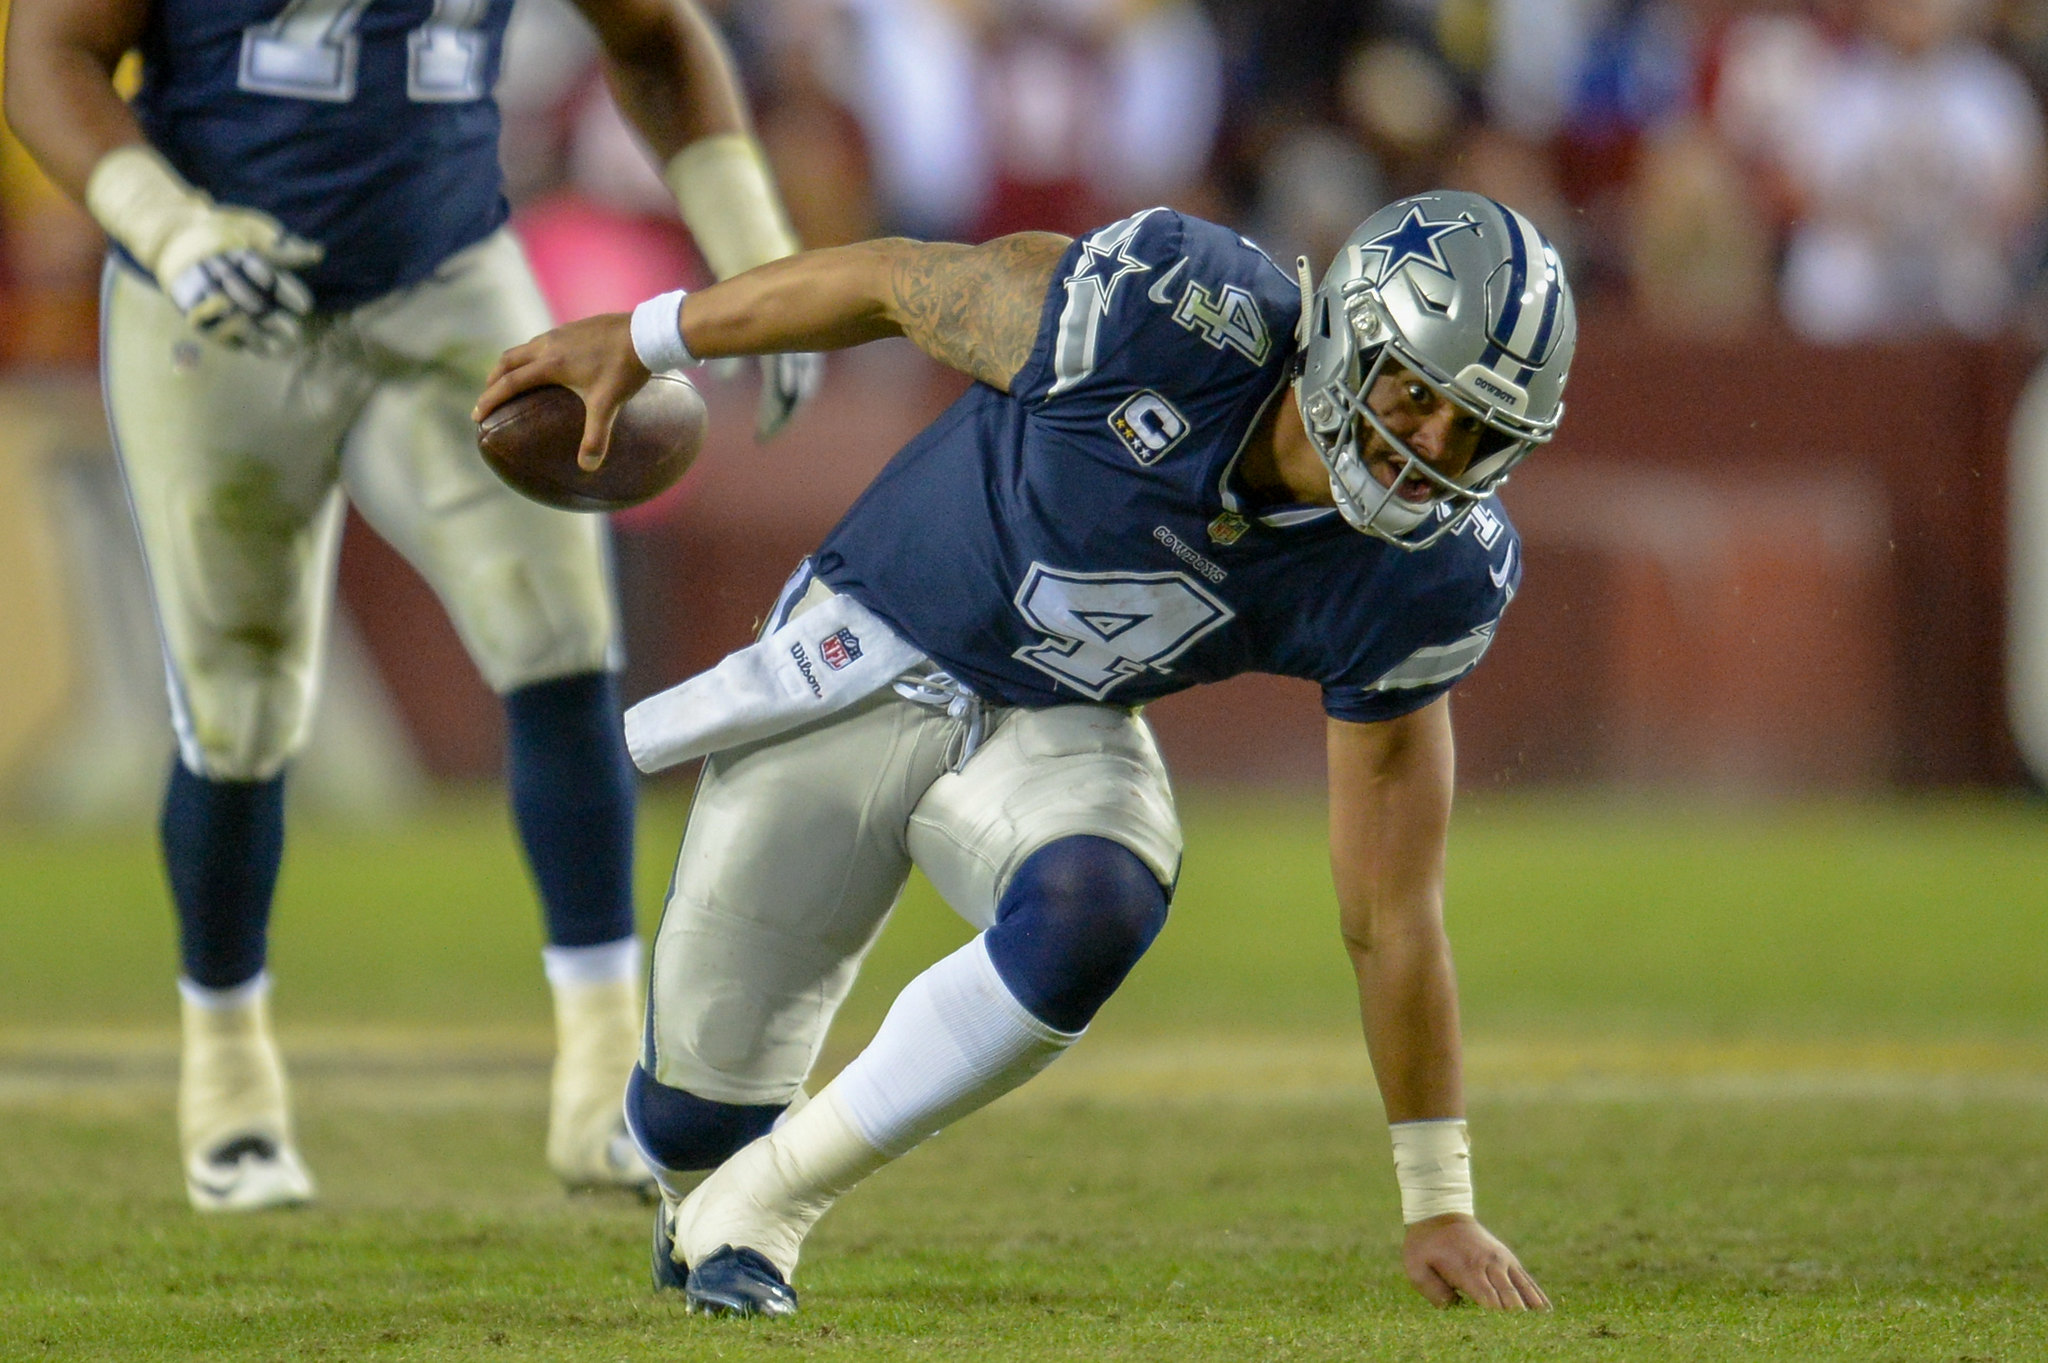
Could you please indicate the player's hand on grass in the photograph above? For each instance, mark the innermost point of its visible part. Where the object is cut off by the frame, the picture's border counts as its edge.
(1453, 1258)
(787, 383)
(229, 270)
(594, 358)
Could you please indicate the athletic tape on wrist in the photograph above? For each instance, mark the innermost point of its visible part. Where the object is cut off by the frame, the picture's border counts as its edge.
(658, 334)
(1433, 1163)
(727, 196)
(141, 201)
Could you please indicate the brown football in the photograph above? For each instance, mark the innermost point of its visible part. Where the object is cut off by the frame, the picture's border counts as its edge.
(530, 442)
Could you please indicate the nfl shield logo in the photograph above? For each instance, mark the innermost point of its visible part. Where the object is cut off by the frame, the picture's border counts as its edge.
(1228, 528)
(839, 649)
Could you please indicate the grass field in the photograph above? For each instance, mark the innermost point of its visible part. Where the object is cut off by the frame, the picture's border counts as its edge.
(1745, 1083)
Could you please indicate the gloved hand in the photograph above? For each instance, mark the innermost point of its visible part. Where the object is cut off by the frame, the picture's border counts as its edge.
(230, 273)
(228, 269)
(787, 383)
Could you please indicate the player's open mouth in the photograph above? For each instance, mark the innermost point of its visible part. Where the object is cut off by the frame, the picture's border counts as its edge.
(1413, 489)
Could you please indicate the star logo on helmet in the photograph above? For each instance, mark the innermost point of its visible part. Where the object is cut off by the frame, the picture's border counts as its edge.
(1417, 239)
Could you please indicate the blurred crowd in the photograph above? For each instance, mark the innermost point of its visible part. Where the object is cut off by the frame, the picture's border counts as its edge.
(1855, 169)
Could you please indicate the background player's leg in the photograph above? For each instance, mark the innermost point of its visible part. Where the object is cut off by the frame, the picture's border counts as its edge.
(529, 591)
(572, 788)
(230, 464)
(223, 842)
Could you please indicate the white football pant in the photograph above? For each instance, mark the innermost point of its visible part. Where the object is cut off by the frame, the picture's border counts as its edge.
(798, 846)
(237, 463)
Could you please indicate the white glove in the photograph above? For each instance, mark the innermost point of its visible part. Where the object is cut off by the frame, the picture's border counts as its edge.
(229, 270)
(787, 383)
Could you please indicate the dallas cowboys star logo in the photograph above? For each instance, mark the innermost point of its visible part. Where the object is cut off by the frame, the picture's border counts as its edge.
(1104, 263)
(1416, 239)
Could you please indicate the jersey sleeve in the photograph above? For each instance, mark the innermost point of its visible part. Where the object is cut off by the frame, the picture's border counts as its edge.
(1418, 679)
(1162, 302)
(1458, 630)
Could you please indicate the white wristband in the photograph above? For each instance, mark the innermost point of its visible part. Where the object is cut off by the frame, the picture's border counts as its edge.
(658, 334)
(1433, 1163)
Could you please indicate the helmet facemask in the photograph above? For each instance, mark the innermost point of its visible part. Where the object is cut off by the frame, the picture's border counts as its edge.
(1339, 415)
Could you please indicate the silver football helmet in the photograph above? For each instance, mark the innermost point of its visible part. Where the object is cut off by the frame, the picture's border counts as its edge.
(1471, 298)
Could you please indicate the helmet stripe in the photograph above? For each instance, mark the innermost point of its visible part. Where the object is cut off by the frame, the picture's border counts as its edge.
(1501, 335)
(1553, 294)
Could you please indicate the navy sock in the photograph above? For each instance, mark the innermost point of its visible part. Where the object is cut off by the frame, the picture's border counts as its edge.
(681, 1131)
(1076, 917)
(572, 797)
(223, 842)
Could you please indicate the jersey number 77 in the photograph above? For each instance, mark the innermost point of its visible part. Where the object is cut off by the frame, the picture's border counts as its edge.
(309, 51)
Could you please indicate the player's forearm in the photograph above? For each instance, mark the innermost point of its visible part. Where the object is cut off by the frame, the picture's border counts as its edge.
(1408, 1001)
(819, 300)
(59, 86)
(669, 72)
(1390, 807)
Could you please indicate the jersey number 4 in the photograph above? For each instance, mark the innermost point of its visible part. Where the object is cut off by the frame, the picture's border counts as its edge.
(309, 51)
(1105, 628)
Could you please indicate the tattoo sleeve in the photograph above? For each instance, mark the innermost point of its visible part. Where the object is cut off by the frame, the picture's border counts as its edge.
(976, 308)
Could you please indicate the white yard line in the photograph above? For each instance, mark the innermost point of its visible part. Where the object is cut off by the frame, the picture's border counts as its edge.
(429, 1069)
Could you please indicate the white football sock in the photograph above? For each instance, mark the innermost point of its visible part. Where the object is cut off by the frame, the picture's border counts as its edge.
(598, 1020)
(236, 996)
(605, 963)
(954, 1041)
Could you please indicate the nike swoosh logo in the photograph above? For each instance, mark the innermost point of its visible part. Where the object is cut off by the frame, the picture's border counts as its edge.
(1500, 574)
(1157, 293)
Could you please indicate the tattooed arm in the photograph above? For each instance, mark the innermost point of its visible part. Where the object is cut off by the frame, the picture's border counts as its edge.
(972, 307)
(975, 308)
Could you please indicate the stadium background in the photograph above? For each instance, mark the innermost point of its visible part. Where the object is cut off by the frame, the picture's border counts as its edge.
(1745, 881)
(1768, 554)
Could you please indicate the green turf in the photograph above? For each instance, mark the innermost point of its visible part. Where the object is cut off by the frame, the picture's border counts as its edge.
(1763, 1083)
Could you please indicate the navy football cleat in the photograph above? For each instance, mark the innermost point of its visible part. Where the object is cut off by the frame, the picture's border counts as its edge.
(738, 1282)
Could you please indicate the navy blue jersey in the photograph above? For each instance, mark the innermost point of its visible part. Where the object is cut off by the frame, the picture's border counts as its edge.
(364, 125)
(1084, 538)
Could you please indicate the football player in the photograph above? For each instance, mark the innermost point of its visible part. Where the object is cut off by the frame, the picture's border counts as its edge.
(1179, 462)
(310, 278)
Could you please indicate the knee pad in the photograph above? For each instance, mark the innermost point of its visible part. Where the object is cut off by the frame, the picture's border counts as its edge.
(1074, 919)
(678, 1131)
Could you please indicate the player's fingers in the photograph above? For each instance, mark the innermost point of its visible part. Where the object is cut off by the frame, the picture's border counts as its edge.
(292, 294)
(1432, 1284)
(291, 252)
(1531, 1294)
(245, 293)
(510, 378)
(529, 356)
(599, 410)
(1506, 1295)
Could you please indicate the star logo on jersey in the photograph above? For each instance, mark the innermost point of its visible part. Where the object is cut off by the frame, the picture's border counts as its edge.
(1105, 259)
(1417, 239)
